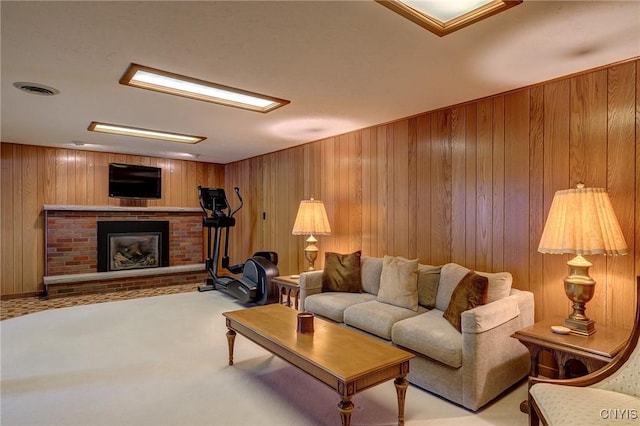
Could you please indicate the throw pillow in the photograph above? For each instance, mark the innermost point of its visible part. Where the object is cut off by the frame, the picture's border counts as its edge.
(342, 272)
(450, 275)
(499, 285)
(470, 292)
(399, 282)
(428, 280)
(371, 270)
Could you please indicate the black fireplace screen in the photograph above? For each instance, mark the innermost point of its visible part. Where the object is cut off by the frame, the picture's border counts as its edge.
(132, 245)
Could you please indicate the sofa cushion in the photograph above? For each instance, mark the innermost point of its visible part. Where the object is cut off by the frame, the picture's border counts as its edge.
(377, 318)
(428, 279)
(470, 292)
(371, 269)
(431, 335)
(342, 272)
(399, 282)
(332, 304)
(451, 274)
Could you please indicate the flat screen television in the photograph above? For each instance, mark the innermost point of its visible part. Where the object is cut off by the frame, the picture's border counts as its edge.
(131, 181)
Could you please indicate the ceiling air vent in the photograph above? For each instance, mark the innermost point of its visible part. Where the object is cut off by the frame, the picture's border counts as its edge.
(36, 88)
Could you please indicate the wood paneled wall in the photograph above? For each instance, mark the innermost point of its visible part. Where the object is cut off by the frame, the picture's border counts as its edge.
(470, 184)
(32, 176)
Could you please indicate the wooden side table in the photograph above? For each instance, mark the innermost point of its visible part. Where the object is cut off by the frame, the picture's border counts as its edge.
(288, 289)
(594, 352)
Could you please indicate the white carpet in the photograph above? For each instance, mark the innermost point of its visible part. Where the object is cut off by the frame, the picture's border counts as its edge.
(163, 361)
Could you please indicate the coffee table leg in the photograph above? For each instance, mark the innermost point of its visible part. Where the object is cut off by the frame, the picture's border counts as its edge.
(231, 337)
(401, 390)
(346, 408)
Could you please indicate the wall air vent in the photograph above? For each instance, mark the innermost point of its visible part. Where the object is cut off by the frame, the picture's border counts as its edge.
(36, 88)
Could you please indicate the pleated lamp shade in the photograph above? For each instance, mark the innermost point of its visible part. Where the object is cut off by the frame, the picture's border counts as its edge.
(311, 219)
(581, 221)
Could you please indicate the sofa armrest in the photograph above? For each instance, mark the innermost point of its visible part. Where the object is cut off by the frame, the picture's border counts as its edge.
(494, 314)
(310, 283)
(492, 360)
(491, 315)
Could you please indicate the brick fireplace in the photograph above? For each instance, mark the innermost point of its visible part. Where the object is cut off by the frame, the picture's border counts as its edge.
(71, 241)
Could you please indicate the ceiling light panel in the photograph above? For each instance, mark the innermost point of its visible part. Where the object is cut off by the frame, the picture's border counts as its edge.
(176, 84)
(117, 129)
(445, 11)
(443, 17)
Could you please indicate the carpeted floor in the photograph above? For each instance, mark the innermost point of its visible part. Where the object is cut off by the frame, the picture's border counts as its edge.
(27, 305)
(163, 361)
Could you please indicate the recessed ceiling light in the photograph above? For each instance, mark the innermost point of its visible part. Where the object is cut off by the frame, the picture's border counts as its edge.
(117, 129)
(176, 84)
(36, 88)
(442, 17)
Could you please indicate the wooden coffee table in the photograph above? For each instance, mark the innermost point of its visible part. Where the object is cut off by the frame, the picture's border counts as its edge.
(346, 361)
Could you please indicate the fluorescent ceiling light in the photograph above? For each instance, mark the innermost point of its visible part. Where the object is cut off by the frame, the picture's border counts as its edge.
(176, 84)
(143, 133)
(442, 17)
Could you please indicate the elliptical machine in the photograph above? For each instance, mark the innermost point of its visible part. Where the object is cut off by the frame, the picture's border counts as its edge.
(255, 283)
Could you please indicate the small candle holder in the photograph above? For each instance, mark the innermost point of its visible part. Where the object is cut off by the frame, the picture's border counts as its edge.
(305, 322)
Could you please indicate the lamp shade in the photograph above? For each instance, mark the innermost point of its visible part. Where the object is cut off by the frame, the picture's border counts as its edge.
(311, 219)
(581, 221)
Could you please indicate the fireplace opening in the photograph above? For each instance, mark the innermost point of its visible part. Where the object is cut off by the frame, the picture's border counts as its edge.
(126, 245)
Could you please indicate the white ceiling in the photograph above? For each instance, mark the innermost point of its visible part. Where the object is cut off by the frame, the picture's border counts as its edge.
(344, 65)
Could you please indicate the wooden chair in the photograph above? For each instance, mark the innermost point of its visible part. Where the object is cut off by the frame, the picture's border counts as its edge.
(610, 395)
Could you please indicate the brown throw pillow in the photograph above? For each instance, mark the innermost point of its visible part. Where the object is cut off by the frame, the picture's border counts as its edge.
(470, 292)
(342, 272)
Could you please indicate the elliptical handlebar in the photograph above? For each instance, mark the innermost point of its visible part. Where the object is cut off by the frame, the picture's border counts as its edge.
(237, 191)
(215, 201)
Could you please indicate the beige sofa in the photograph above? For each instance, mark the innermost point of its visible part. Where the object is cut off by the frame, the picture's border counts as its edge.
(469, 367)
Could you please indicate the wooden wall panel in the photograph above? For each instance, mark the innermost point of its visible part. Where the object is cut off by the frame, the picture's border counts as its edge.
(516, 195)
(7, 217)
(620, 161)
(19, 218)
(368, 197)
(423, 204)
(458, 192)
(484, 186)
(588, 150)
(33, 176)
(551, 299)
(31, 226)
(499, 184)
(441, 188)
(399, 188)
(340, 217)
(536, 187)
(381, 189)
(473, 184)
(470, 185)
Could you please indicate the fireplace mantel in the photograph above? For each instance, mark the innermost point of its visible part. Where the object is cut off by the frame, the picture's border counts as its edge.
(78, 208)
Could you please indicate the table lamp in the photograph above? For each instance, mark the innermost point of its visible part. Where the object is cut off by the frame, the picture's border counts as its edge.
(311, 220)
(581, 221)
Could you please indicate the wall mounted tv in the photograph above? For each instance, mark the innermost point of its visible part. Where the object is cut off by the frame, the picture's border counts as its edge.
(130, 181)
